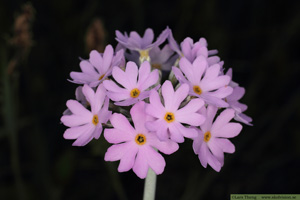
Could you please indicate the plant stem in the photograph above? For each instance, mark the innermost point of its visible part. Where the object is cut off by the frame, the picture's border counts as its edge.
(150, 185)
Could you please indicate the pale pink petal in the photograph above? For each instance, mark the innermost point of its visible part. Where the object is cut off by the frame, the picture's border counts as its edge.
(118, 96)
(150, 81)
(215, 149)
(212, 72)
(144, 72)
(221, 92)
(223, 119)
(155, 160)
(148, 37)
(202, 155)
(140, 166)
(213, 60)
(127, 161)
(226, 131)
(187, 68)
(160, 127)
(167, 147)
(212, 100)
(121, 77)
(96, 60)
(139, 116)
(98, 131)
(82, 78)
(116, 152)
(176, 132)
(225, 145)
(120, 122)
(104, 114)
(210, 114)
(199, 66)
(216, 83)
(85, 138)
(87, 67)
(89, 94)
(168, 94)
(180, 94)
(213, 161)
(131, 73)
(107, 58)
(75, 132)
(155, 102)
(78, 109)
(188, 114)
(243, 118)
(75, 120)
(237, 94)
(98, 99)
(113, 87)
(178, 74)
(155, 111)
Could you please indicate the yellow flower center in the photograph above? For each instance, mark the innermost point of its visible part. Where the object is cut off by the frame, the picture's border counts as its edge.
(134, 93)
(197, 89)
(207, 136)
(140, 139)
(101, 77)
(169, 117)
(95, 120)
(156, 66)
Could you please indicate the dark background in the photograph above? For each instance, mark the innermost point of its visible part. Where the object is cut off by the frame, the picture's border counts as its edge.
(258, 39)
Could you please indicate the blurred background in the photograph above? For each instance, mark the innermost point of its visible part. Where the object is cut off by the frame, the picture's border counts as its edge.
(40, 44)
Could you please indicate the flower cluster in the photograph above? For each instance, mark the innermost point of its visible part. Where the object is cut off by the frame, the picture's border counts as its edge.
(122, 90)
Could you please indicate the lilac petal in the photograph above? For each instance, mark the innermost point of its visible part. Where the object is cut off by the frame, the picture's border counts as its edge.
(176, 132)
(168, 94)
(98, 131)
(82, 78)
(243, 118)
(221, 92)
(215, 149)
(141, 166)
(179, 76)
(127, 102)
(160, 127)
(127, 161)
(118, 96)
(121, 77)
(155, 102)
(186, 132)
(188, 114)
(78, 109)
(237, 94)
(197, 141)
(87, 68)
(199, 66)
(180, 94)
(75, 132)
(155, 160)
(212, 52)
(223, 119)
(209, 99)
(120, 122)
(227, 131)
(96, 60)
(115, 136)
(187, 68)
(166, 53)
(186, 46)
(148, 37)
(213, 161)
(212, 72)
(85, 138)
(131, 73)
(107, 59)
(89, 94)
(229, 72)
(210, 114)
(116, 152)
(113, 87)
(209, 85)
(138, 116)
(161, 38)
(98, 99)
(213, 60)
(75, 120)
(121, 38)
(155, 111)
(151, 80)
(104, 114)
(225, 145)
(202, 155)
(202, 51)
(167, 147)
(144, 72)
(173, 44)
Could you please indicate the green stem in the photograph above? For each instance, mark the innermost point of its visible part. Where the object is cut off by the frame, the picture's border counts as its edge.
(150, 185)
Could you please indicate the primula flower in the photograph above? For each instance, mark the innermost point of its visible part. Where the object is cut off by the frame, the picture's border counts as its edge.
(135, 89)
(141, 44)
(98, 67)
(169, 118)
(80, 98)
(212, 141)
(84, 124)
(233, 101)
(205, 81)
(135, 147)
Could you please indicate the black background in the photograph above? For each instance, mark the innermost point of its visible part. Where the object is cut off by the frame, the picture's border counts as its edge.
(258, 39)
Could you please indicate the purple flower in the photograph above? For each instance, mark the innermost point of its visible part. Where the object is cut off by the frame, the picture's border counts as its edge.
(98, 67)
(135, 89)
(84, 124)
(233, 101)
(80, 98)
(205, 81)
(141, 44)
(212, 141)
(169, 118)
(135, 146)
(162, 59)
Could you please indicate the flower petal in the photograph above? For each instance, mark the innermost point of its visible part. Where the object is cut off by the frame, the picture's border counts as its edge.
(120, 122)
(227, 131)
(140, 166)
(155, 160)
(223, 119)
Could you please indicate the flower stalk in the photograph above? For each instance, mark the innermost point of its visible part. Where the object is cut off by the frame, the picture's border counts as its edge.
(150, 185)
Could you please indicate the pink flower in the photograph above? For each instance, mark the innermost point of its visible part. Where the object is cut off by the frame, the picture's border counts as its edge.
(212, 141)
(135, 146)
(204, 81)
(84, 124)
(98, 67)
(169, 118)
(135, 89)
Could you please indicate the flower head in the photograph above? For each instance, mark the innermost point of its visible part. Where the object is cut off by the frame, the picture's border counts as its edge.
(135, 82)
(169, 118)
(135, 146)
(98, 67)
(162, 59)
(204, 81)
(212, 141)
(84, 124)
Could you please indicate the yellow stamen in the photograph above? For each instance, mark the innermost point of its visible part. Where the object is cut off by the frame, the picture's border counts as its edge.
(134, 93)
(169, 117)
(95, 120)
(156, 66)
(101, 77)
(197, 89)
(207, 136)
(140, 139)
